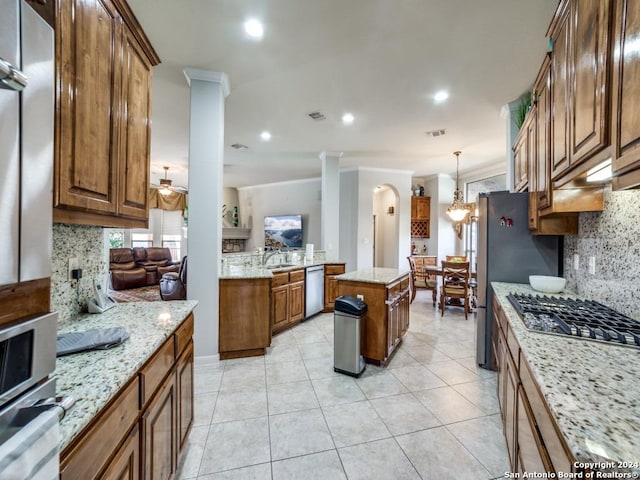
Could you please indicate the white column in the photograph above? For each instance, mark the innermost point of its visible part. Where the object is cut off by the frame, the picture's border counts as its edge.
(330, 208)
(206, 149)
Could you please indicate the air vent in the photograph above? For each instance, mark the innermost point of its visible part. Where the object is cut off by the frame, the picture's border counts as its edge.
(239, 146)
(435, 133)
(317, 116)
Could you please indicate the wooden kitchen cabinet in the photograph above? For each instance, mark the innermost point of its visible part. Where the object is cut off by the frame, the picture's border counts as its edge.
(331, 284)
(387, 317)
(420, 217)
(126, 463)
(160, 433)
(420, 208)
(279, 307)
(534, 441)
(141, 431)
(520, 164)
(244, 317)
(102, 143)
(580, 99)
(296, 296)
(185, 385)
(287, 299)
(625, 98)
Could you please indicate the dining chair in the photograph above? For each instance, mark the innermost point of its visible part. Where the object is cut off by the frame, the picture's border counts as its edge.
(456, 258)
(455, 286)
(421, 279)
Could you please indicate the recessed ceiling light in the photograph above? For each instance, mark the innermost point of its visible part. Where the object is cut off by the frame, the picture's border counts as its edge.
(348, 118)
(254, 28)
(440, 96)
(266, 136)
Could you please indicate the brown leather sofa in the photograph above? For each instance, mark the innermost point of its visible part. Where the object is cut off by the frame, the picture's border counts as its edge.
(139, 267)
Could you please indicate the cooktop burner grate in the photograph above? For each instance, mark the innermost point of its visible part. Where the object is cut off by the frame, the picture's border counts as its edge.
(578, 318)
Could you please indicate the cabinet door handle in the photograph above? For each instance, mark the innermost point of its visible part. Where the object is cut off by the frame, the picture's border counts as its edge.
(10, 77)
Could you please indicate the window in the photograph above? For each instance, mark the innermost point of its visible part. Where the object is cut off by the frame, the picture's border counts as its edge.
(116, 239)
(141, 239)
(491, 184)
(172, 232)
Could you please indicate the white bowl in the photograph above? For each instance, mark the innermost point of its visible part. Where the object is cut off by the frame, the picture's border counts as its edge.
(543, 283)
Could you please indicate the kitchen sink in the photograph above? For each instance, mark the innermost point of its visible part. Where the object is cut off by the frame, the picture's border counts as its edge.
(281, 265)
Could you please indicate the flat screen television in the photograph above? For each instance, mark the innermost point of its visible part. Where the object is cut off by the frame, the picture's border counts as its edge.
(282, 231)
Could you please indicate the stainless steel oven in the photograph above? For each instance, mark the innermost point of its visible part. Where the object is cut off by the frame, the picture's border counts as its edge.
(27, 362)
(27, 355)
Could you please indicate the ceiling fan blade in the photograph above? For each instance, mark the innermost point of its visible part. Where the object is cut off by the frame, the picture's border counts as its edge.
(180, 189)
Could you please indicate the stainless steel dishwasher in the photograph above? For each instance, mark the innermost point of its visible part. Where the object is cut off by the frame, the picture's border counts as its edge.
(314, 286)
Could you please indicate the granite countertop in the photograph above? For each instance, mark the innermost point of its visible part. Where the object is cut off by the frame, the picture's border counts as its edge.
(374, 275)
(246, 271)
(591, 387)
(92, 378)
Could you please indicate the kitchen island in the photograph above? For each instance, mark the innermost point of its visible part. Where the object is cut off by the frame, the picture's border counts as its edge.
(386, 293)
(134, 402)
(569, 404)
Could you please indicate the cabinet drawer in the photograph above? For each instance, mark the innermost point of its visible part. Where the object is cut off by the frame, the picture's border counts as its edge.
(280, 279)
(100, 442)
(546, 425)
(512, 345)
(393, 290)
(333, 269)
(404, 283)
(296, 276)
(155, 369)
(183, 335)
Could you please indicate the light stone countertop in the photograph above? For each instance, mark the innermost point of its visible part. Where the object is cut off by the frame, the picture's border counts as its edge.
(246, 271)
(591, 387)
(374, 275)
(93, 378)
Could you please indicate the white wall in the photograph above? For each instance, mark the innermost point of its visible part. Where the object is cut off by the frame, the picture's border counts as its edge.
(356, 214)
(285, 198)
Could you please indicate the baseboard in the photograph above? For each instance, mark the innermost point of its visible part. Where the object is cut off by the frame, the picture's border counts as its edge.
(206, 359)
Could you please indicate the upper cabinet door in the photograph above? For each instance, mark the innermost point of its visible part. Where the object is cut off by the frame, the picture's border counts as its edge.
(543, 187)
(559, 95)
(88, 38)
(133, 186)
(626, 87)
(589, 40)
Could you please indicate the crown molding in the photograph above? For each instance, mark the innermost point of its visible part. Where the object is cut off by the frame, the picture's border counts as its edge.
(212, 76)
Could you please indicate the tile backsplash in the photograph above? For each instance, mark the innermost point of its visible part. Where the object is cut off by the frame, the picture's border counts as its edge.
(611, 237)
(68, 297)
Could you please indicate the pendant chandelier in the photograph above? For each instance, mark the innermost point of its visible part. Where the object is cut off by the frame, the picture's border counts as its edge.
(458, 209)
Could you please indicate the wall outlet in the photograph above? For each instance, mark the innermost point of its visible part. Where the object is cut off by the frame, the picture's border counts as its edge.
(592, 265)
(74, 264)
(360, 297)
(576, 261)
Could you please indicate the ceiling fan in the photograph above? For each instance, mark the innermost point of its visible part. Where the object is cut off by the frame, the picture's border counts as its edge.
(166, 187)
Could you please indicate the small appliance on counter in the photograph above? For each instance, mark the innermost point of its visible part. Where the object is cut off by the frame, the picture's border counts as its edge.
(100, 302)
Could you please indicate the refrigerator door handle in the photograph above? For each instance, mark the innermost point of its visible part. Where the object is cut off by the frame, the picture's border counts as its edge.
(10, 77)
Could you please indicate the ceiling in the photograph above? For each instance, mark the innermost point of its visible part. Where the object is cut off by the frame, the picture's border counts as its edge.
(381, 60)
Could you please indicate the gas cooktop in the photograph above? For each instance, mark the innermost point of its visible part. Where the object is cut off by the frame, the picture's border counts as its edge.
(579, 318)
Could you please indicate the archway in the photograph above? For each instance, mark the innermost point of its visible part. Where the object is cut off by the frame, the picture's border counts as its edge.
(385, 226)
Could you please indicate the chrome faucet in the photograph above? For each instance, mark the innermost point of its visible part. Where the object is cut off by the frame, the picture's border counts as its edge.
(267, 255)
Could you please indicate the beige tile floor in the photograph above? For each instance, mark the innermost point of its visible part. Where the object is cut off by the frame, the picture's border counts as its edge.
(430, 414)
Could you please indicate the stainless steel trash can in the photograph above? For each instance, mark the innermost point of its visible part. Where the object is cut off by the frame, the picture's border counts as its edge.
(348, 332)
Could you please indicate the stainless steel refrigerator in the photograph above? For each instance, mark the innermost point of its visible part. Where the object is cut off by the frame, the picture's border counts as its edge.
(507, 252)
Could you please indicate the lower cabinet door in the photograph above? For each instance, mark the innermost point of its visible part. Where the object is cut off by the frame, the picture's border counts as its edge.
(296, 301)
(160, 433)
(532, 455)
(184, 377)
(126, 463)
(280, 306)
